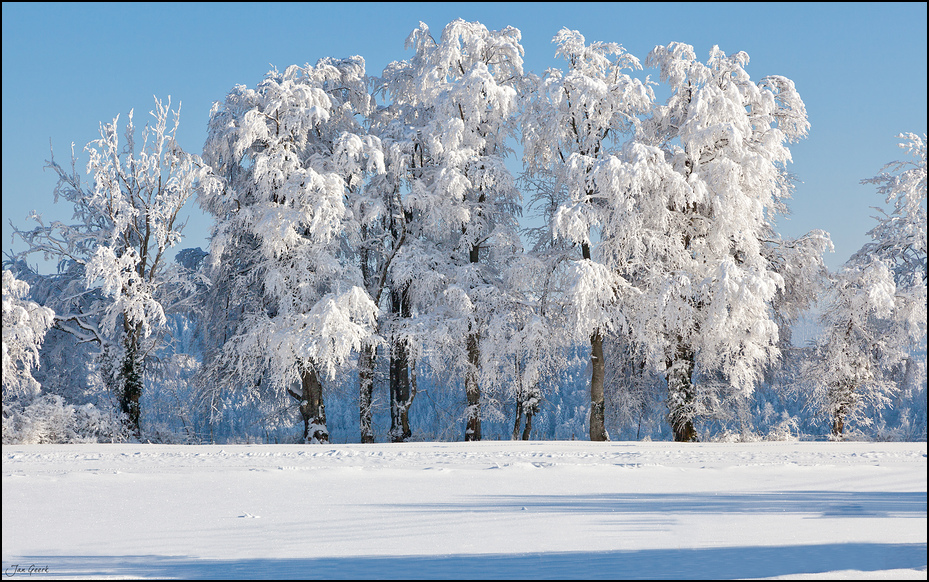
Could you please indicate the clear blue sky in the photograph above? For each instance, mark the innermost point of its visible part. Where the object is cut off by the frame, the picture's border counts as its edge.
(859, 67)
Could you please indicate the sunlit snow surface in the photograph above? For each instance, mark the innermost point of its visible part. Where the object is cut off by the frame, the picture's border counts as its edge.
(466, 510)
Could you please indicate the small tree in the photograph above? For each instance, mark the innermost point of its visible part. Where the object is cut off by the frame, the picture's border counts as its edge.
(847, 370)
(876, 316)
(127, 221)
(538, 345)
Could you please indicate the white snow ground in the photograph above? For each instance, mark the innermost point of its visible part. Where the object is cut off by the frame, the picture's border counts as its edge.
(466, 510)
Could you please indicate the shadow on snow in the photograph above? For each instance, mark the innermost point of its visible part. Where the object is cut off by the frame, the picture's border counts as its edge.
(824, 503)
(706, 563)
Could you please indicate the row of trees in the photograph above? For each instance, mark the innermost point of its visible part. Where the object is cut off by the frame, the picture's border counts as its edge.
(369, 223)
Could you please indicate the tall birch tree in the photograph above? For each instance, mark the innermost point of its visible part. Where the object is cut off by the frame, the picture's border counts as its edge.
(285, 231)
(727, 137)
(454, 105)
(572, 121)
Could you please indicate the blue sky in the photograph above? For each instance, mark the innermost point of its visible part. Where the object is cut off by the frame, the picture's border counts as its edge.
(859, 67)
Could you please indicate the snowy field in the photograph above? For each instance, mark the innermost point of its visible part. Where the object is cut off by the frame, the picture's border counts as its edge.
(466, 510)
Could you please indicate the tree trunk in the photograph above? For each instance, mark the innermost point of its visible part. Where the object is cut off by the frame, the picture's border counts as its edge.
(367, 354)
(524, 407)
(598, 367)
(519, 399)
(844, 401)
(681, 396)
(401, 396)
(527, 430)
(313, 409)
(472, 385)
(366, 362)
(473, 390)
(597, 374)
(131, 382)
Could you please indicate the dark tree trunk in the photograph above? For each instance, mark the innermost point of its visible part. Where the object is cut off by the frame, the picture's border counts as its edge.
(473, 390)
(681, 395)
(401, 395)
(312, 408)
(844, 399)
(597, 374)
(472, 385)
(523, 408)
(685, 432)
(527, 430)
(131, 382)
(367, 354)
(527, 404)
(366, 363)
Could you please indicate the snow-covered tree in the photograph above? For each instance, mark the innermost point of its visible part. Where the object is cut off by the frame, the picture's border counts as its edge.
(285, 230)
(846, 373)
(25, 324)
(693, 201)
(875, 319)
(728, 137)
(538, 347)
(899, 239)
(531, 351)
(374, 169)
(806, 282)
(68, 367)
(127, 219)
(572, 122)
(452, 108)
